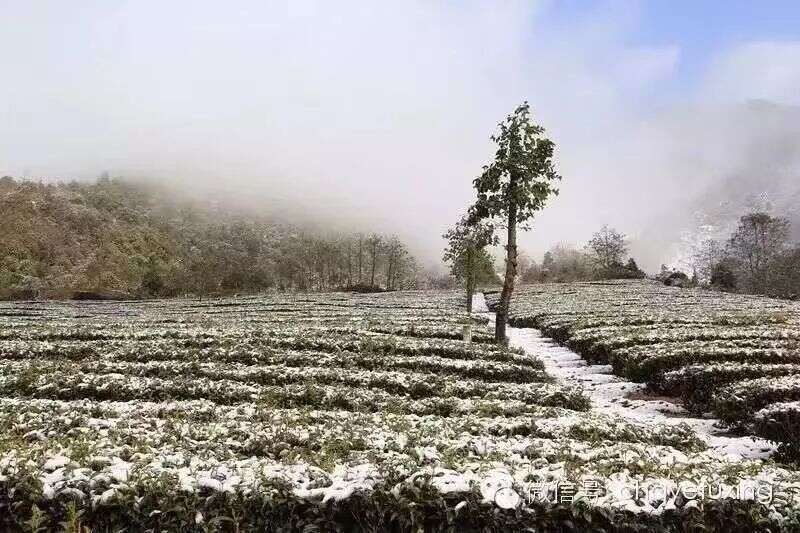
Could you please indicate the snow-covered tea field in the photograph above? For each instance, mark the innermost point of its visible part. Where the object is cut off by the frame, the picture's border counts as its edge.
(735, 356)
(369, 412)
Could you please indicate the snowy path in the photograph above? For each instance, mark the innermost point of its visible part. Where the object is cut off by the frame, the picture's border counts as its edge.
(614, 395)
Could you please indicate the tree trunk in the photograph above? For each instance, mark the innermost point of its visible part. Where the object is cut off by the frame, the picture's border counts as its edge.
(389, 266)
(349, 263)
(511, 274)
(374, 262)
(470, 293)
(470, 280)
(360, 257)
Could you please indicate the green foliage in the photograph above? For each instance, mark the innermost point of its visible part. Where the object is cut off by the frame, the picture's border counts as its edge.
(520, 179)
(466, 253)
(723, 276)
(632, 270)
(139, 240)
(414, 508)
(513, 188)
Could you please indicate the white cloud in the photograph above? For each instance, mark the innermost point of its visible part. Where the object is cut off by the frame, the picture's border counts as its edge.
(756, 70)
(367, 111)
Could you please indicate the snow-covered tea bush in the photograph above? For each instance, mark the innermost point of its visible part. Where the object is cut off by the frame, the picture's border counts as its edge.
(732, 354)
(330, 411)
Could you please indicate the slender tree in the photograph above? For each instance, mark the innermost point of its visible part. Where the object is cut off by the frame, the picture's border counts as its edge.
(360, 257)
(375, 243)
(349, 242)
(396, 253)
(513, 188)
(466, 253)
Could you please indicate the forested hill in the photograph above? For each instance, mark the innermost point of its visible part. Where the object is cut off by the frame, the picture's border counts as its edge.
(131, 239)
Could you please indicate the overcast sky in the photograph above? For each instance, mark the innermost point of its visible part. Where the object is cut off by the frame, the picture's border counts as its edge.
(378, 114)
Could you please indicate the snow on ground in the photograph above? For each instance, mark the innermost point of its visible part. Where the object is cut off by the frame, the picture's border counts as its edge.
(611, 394)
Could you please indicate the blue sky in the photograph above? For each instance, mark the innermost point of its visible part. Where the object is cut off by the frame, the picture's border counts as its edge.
(704, 29)
(701, 29)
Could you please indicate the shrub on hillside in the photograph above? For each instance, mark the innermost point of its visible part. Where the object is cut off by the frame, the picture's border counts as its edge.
(365, 288)
(723, 276)
(677, 279)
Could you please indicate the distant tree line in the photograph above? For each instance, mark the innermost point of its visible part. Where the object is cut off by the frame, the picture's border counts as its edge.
(605, 256)
(134, 239)
(757, 258)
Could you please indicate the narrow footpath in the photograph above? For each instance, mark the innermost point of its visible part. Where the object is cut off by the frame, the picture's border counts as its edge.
(614, 395)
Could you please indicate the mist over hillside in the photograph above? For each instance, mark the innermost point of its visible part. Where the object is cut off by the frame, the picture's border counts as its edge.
(726, 162)
(347, 115)
(143, 240)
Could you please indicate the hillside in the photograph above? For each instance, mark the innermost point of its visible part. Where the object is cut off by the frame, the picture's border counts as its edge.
(128, 239)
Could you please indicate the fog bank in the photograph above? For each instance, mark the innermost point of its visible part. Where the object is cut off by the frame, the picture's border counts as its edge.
(364, 115)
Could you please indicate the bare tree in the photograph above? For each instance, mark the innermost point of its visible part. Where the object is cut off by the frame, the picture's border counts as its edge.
(563, 263)
(783, 276)
(349, 243)
(375, 244)
(608, 248)
(757, 241)
(707, 254)
(395, 255)
(360, 257)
